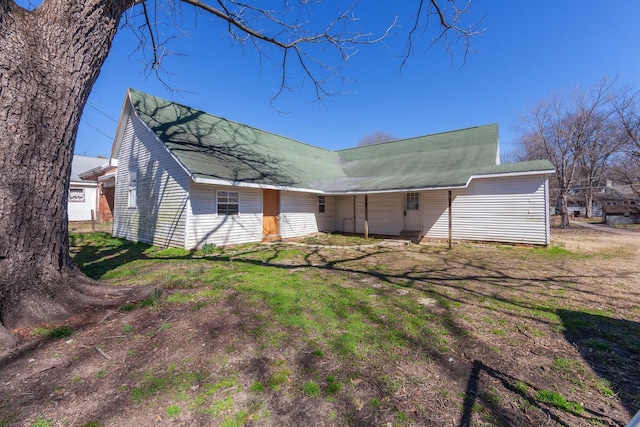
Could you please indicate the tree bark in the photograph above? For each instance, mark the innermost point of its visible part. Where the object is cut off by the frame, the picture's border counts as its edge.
(50, 59)
(588, 203)
(564, 210)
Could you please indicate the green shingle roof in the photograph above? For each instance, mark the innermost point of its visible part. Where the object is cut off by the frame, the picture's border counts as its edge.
(211, 147)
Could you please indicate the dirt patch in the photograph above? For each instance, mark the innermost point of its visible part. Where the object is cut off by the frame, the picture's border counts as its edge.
(495, 333)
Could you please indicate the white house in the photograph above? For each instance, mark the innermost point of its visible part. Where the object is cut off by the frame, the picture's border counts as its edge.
(186, 178)
(91, 188)
(83, 192)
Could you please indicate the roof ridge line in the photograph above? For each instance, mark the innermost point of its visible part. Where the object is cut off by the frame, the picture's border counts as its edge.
(419, 136)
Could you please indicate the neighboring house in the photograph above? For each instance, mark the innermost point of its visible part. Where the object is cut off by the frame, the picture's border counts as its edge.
(621, 215)
(618, 204)
(614, 195)
(92, 188)
(606, 195)
(186, 178)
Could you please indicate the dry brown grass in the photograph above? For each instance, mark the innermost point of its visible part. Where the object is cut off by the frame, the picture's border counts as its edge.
(284, 335)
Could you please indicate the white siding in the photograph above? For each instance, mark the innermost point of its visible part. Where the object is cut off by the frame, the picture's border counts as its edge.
(344, 214)
(385, 213)
(300, 215)
(206, 226)
(359, 213)
(160, 215)
(510, 209)
(506, 209)
(81, 210)
(435, 214)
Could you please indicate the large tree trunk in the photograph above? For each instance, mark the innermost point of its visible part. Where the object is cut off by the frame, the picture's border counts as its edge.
(49, 62)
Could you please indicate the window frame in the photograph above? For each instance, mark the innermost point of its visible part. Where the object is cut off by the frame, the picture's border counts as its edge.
(322, 204)
(412, 201)
(227, 199)
(132, 190)
(74, 199)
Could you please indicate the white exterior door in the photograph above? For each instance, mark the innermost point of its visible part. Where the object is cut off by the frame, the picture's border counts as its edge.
(412, 217)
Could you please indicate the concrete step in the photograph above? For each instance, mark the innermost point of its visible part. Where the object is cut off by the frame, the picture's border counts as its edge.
(412, 235)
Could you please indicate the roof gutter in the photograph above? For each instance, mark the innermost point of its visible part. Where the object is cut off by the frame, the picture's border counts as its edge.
(510, 174)
(214, 181)
(95, 170)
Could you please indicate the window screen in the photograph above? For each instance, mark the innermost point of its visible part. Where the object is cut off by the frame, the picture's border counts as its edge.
(228, 202)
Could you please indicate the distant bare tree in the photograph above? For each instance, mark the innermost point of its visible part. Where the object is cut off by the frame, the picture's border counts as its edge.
(601, 144)
(376, 137)
(625, 171)
(627, 109)
(577, 133)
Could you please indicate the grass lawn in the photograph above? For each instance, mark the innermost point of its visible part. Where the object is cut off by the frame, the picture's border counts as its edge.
(288, 335)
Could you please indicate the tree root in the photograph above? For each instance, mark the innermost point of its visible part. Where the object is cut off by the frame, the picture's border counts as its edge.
(61, 301)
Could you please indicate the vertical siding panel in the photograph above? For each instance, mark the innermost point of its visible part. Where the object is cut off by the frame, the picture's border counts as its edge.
(161, 193)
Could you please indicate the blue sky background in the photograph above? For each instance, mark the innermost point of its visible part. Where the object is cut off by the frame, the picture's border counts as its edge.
(528, 50)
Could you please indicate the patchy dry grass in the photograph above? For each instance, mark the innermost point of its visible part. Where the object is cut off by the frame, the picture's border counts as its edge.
(279, 335)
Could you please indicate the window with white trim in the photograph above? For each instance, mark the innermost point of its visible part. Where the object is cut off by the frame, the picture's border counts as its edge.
(133, 190)
(321, 204)
(228, 202)
(76, 194)
(413, 201)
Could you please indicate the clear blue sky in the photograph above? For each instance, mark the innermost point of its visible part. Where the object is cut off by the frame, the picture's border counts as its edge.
(528, 50)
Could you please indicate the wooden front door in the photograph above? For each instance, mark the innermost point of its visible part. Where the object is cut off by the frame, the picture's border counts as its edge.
(270, 215)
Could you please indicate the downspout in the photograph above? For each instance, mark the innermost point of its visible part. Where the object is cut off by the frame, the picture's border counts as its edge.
(187, 219)
(450, 223)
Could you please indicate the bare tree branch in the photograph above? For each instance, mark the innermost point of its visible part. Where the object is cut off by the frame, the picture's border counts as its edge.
(289, 32)
(154, 46)
(627, 108)
(450, 21)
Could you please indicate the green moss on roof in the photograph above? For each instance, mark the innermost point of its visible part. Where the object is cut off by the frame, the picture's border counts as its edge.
(211, 147)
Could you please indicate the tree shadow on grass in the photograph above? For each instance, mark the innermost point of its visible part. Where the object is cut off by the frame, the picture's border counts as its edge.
(612, 348)
(609, 345)
(97, 260)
